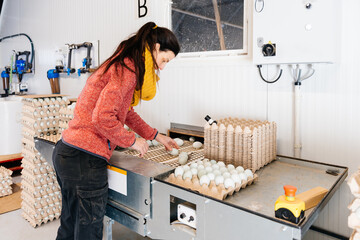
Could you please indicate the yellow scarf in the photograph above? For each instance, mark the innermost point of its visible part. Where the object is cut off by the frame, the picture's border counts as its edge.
(148, 89)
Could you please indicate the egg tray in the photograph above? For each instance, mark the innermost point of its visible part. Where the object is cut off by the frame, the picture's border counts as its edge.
(160, 155)
(212, 190)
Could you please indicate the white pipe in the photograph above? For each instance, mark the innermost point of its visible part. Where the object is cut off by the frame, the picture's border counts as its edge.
(297, 141)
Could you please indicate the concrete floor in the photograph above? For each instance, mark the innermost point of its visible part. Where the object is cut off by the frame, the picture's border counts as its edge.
(14, 227)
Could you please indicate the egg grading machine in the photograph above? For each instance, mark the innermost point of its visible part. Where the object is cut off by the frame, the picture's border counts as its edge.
(141, 199)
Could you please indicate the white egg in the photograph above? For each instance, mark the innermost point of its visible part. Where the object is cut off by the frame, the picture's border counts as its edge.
(200, 167)
(179, 142)
(226, 175)
(236, 178)
(223, 169)
(249, 173)
(219, 179)
(208, 169)
(230, 167)
(179, 171)
(201, 173)
(207, 164)
(205, 160)
(193, 165)
(240, 169)
(187, 174)
(215, 167)
(216, 172)
(155, 143)
(191, 139)
(149, 143)
(213, 162)
(228, 182)
(221, 164)
(204, 180)
(174, 152)
(186, 168)
(242, 176)
(183, 157)
(233, 172)
(200, 162)
(211, 176)
(194, 171)
(197, 145)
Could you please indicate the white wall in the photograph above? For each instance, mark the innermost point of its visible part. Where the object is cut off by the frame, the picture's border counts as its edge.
(227, 86)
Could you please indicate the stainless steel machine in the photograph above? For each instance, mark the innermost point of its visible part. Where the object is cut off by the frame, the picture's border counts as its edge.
(141, 199)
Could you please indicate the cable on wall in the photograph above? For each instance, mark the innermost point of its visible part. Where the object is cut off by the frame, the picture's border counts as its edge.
(268, 81)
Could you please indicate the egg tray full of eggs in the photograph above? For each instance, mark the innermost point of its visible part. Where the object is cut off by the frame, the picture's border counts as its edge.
(5, 181)
(188, 152)
(212, 178)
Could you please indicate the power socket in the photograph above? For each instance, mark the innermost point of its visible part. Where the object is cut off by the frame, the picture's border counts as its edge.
(187, 214)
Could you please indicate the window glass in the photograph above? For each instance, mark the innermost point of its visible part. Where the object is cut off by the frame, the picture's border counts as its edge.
(195, 23)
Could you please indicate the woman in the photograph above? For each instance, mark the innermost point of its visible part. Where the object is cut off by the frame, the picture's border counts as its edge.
(104, 106)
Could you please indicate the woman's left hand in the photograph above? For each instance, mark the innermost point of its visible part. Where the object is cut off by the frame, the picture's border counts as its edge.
(168, 142)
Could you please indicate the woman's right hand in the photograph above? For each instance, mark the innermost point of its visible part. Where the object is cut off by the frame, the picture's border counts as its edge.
(141, 146)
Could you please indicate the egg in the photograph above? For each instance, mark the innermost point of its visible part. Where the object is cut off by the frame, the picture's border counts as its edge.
(174, 152)
(226, 175)
(216, 172)
(249, 173)
(200, 167)
(228, 182)
(233, 172)
(205, 160)
(179, 142)
(183, 157)
(187, 174)
(208, 169)
(219, 179)
(204, 180)
(155, 143)
(213, 162)
(235, 177)
(242, 176)
(149, 143)
(223, 169)
(179, 171)
(186, 168)
(221, 164)
(215, 167)
(200, 162)
(193, 165)
(194, 171)
(240, 169)
(191, 139)
(211, 176)
(230, 167)
(197, 145)
(207, 164)
(201, 173)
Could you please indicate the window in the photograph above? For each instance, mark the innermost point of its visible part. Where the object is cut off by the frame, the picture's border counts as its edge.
(210, 25)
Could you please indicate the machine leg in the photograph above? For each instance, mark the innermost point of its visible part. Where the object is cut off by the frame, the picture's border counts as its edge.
(108, 229)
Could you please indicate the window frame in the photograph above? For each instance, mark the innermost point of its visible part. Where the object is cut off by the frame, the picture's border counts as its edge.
(221, 53)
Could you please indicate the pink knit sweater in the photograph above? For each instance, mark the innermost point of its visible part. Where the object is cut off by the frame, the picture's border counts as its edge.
(101, 111)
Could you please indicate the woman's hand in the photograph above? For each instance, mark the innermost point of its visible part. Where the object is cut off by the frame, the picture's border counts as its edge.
(141, 146)
(168, 142)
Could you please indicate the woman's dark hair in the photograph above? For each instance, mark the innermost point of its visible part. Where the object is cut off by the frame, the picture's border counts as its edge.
(134, 47)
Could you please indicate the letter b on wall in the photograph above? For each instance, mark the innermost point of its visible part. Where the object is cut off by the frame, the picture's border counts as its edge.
(142, 9)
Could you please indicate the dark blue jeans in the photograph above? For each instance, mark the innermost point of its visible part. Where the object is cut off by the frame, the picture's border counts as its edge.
(84, 188)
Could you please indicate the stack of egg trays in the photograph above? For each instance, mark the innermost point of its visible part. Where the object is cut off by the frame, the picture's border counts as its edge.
(66, 114)
(354, 206)
(248, 143)
(5, 181)
(41, 197)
